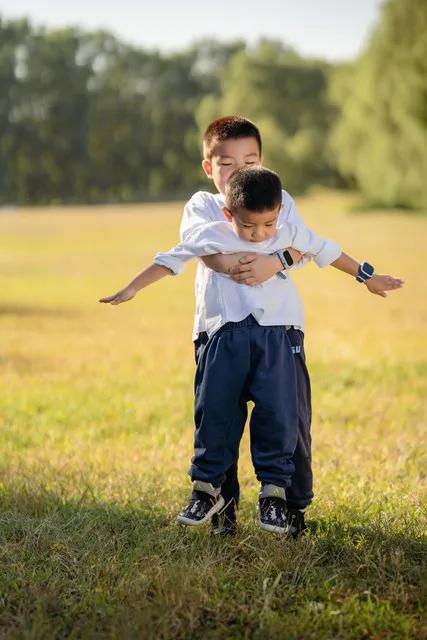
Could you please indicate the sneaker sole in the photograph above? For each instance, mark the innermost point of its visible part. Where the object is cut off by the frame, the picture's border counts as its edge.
(187, 521)
(272, 528)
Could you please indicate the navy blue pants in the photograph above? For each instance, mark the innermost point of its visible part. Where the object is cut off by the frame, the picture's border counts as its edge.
(245, 361)
(300, 494)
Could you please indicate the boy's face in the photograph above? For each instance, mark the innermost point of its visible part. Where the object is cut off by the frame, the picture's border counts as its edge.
(229, 156)
(253, 226)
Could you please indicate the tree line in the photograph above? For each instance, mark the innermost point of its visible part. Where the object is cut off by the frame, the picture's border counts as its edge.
(85, 117)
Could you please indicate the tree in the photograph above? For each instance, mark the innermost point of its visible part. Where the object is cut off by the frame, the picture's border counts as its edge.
(85, 117)
(286, 96)
(381, 136)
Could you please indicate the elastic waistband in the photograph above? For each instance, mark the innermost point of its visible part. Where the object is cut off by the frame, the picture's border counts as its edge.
(249, 321)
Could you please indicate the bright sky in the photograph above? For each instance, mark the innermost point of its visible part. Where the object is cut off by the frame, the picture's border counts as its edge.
(332, 29)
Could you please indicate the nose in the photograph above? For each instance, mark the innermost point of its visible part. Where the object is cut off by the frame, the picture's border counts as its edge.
(257, 235)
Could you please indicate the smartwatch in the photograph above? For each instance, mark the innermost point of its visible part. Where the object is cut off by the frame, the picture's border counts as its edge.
(285, 258)
(364, 272)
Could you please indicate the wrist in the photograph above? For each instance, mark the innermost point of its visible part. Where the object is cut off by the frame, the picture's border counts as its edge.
(132, 290)
(276, 262)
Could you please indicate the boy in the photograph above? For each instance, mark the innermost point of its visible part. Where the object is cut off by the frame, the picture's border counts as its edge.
(248, 355)
(228, 143)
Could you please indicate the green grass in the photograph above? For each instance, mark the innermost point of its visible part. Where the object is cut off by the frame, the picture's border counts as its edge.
(96, 436)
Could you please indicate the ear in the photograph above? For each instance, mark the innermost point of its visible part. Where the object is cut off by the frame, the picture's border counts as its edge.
(227, 214)
(207, 167)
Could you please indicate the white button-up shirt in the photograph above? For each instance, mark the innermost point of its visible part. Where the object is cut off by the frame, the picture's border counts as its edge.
(218, 298)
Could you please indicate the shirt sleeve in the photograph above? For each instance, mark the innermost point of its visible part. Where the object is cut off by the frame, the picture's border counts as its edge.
(322, 251)
(204, 240)
(196, 213)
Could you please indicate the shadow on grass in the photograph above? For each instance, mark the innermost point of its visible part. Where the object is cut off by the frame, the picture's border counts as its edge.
(365, 208)
(93, 569)
(33, 310)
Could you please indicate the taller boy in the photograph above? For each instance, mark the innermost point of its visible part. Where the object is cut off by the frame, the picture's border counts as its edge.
(229, 143)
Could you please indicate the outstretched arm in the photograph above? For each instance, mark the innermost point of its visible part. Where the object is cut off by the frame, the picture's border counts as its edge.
(207, 239)
(255, 269)
(148, 276)
(377, 285)
(251, 269)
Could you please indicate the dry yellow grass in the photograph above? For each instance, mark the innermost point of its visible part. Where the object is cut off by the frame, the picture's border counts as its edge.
(97, 400)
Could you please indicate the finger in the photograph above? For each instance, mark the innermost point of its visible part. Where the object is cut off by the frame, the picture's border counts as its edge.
(392, 284)
(107, 299)
(395, 282)
(247, 259)
(238, 269)
(239, 277)
(244, 269)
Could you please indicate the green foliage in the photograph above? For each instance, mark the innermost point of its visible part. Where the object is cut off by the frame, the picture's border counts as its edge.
(286, 96)
(381, 136)
(87, 118)
(84, 117)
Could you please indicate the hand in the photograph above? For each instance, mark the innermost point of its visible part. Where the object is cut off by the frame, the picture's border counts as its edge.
(380, 284)
(121, 296)
(255, 268)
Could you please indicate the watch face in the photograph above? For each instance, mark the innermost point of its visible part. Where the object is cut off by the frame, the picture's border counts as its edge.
(288, 257)
(367, 269)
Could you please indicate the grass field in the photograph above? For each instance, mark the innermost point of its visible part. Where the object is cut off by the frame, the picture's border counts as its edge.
(96, 438)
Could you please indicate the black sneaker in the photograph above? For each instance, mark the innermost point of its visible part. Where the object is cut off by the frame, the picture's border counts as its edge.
(296, 522)
(201, 507)
(272, 514)
(224, 523)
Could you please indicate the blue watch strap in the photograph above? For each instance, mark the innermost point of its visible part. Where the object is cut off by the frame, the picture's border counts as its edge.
(364, 272)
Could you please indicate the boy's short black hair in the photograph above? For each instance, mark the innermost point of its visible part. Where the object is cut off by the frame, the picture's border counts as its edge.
(228, 128)
(253, 189)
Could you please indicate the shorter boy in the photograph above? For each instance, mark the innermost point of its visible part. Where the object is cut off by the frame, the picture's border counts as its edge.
(248, 355)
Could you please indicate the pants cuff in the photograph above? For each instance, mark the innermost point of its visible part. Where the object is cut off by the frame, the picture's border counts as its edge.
(297, 507)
